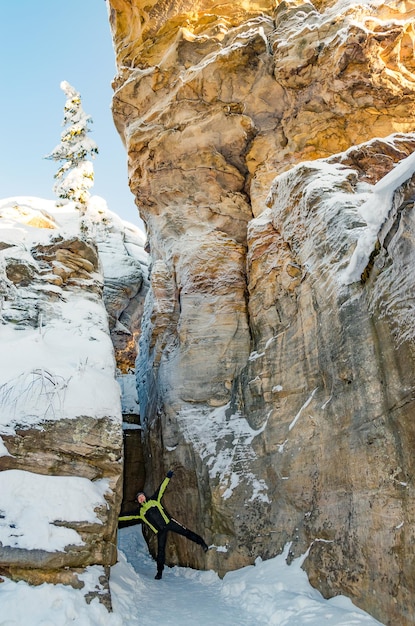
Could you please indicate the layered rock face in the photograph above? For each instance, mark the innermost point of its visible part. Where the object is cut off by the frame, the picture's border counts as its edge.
(67, 283)
(270, 153)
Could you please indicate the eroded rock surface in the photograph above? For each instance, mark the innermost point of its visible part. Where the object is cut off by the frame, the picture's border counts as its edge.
(276, 369)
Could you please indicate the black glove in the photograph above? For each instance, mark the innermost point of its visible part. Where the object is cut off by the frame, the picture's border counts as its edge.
(169, 473)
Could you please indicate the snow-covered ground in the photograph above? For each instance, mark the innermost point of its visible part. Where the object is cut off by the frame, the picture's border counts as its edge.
(267, 593)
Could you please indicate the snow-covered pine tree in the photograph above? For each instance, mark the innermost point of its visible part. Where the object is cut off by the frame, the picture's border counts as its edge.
(76, 173)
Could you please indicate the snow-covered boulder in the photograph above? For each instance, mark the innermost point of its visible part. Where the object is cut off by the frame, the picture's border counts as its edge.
(61, 443)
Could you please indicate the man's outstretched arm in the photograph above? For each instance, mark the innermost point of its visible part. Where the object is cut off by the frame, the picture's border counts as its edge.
(129, 520)
(162, 488)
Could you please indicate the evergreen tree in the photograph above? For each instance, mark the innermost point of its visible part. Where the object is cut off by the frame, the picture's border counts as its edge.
(76, 173)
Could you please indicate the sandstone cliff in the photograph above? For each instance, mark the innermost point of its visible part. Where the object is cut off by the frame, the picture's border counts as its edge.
(68, 285)
(276, 368)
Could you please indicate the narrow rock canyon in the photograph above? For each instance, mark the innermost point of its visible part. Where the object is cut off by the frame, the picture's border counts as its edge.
(270, 149)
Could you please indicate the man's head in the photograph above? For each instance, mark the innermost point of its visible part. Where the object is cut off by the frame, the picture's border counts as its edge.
(141, 497)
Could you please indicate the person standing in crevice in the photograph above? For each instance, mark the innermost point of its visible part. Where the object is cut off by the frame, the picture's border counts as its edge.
(152, 513)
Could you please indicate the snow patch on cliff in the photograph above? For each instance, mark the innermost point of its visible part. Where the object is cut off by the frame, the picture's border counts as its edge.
(343, 215)
(374, 211)
(223, 441)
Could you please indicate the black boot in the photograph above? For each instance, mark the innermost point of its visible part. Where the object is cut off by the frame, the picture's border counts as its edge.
(159, 575)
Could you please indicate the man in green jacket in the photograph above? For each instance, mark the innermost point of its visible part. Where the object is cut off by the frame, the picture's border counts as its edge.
(152, 513)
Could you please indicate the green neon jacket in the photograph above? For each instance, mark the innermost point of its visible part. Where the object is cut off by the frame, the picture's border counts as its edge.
(152, 513)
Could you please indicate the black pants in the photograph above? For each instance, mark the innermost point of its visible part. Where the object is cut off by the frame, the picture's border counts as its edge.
(174, 527)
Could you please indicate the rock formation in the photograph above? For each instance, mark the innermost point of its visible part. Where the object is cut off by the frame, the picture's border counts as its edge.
(67, 285)
(276, 367)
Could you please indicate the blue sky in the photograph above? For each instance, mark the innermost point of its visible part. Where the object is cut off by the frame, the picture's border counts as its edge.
(42, 43)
